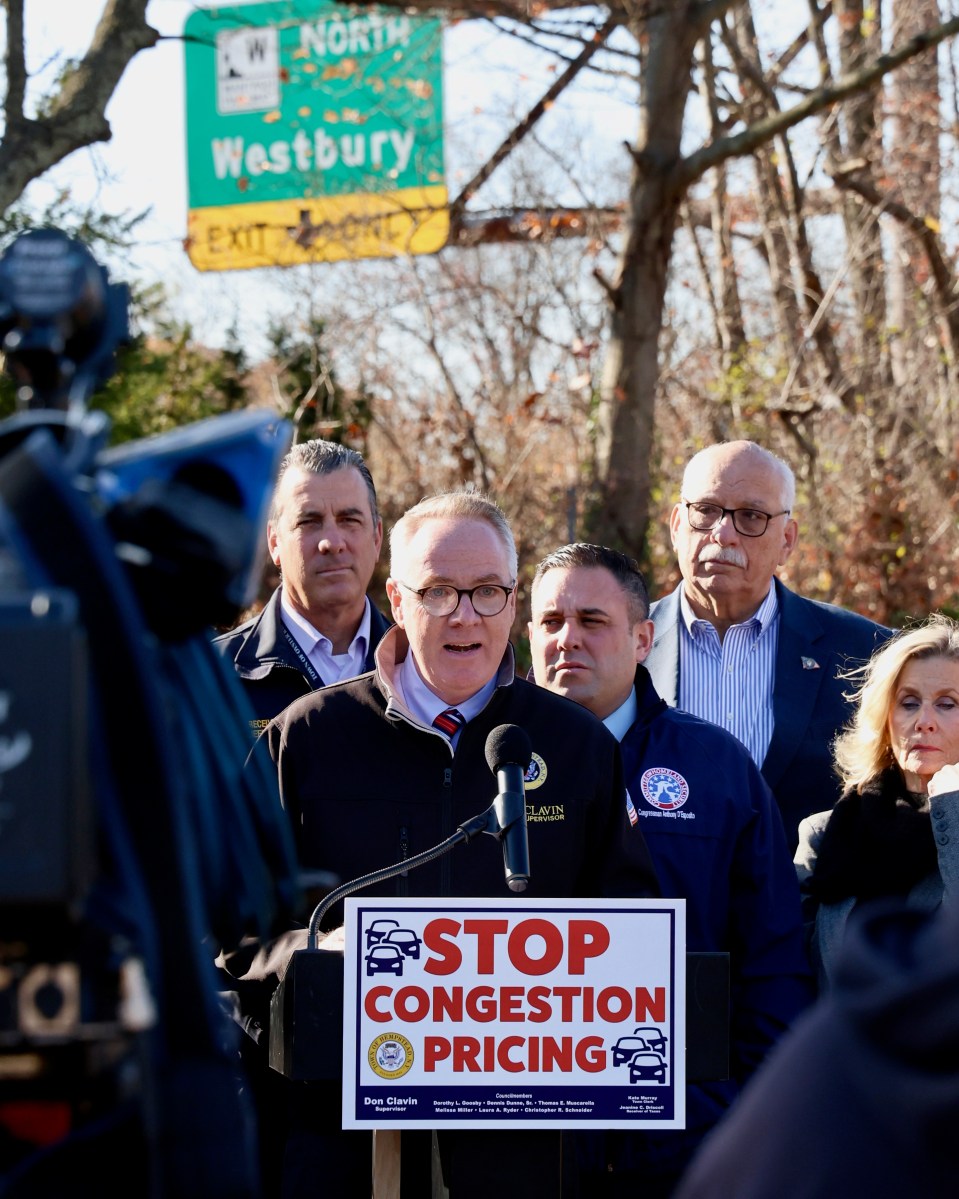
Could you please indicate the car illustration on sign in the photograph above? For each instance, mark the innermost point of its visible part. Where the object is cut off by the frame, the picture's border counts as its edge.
(646, 1037)
(378, 930)
(625, 1047)
(653, 1038)
(404, 939)
(646, 1067)
(384, 959)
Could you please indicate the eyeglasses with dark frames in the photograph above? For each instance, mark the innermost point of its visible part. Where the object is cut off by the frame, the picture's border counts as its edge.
(487, 599)
(750, 522)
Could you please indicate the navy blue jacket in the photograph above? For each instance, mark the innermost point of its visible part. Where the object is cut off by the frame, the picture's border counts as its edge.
(723, 850)
(266, 665)
(716, 840)
(816, 642)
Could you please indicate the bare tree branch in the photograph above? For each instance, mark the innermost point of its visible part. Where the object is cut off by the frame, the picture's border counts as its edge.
(15, 64)
(943, 275)
(558, 86)
(77, 114)
(691, 168)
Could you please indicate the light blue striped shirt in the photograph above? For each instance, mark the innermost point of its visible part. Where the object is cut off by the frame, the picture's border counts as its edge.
(730, 682)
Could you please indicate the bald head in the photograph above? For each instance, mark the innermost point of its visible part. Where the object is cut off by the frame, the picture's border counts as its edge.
(727, 573)
(744, 457)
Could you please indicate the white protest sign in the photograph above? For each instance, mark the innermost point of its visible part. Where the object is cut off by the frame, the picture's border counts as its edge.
(514, 1013)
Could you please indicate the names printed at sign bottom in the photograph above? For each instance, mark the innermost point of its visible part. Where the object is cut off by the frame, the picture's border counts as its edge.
(514, 1013)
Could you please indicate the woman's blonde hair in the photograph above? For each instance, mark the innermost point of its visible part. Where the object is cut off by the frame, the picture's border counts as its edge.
(863, 750)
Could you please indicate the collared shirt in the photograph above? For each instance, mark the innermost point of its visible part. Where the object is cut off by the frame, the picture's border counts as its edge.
(319, 649)
(622, 720)
(730, 682)
(426, 705)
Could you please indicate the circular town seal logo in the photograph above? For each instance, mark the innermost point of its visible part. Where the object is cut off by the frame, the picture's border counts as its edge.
(535, 774)
(390, 1055)
(664, 789)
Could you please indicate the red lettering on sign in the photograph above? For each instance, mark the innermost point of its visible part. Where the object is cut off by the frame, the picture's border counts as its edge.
(587, 939)
(435, 1049)
(648, 1008)
(485, 932)
(552, 954)
(370, 1000)
(448, 956)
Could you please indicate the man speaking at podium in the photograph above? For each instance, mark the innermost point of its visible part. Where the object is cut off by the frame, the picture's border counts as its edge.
(379, 768)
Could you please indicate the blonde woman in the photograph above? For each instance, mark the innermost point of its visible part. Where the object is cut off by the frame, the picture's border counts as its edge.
(895, 829)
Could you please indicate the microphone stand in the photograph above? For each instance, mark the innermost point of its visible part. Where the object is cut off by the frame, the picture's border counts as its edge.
(309, 999)
(486, 822)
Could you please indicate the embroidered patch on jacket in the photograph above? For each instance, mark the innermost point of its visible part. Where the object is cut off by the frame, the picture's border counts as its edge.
(664, 788)
(535, 775)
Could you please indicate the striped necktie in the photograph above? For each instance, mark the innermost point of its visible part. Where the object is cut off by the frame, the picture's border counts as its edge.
(449, 722)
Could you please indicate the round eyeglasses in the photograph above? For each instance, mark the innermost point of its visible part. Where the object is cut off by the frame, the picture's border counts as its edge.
(750, 522)
(488, 599)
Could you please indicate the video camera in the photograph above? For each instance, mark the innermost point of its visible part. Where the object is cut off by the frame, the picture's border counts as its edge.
(133, 844)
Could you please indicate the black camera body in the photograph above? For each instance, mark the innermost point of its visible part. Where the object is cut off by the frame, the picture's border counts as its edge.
(133, 843)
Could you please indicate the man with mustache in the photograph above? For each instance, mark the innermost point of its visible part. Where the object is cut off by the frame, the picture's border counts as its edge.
(735, 646)
(324, 534)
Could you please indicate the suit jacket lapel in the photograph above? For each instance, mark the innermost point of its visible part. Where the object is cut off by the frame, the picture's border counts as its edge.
(663, 660)
(796, 686)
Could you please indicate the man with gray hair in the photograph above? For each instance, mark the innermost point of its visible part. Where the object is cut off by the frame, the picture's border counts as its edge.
(379, 768)
(733, 645)
(324, 534)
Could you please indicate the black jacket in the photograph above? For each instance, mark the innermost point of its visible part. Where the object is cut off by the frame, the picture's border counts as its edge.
(267, 666)
(366, 785)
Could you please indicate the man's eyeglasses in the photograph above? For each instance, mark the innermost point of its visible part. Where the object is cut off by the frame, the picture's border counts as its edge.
(488, 599)
(750, 522)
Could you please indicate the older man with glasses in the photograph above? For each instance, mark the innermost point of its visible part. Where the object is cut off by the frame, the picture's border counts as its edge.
(735, 646)
(379, 768)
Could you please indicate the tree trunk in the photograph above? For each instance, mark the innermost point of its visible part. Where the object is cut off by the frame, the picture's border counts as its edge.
(637, 296)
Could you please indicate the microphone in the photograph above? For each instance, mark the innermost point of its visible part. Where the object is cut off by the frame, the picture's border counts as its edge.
(508, 753)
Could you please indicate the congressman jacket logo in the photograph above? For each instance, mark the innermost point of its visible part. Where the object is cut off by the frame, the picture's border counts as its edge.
(664, 789)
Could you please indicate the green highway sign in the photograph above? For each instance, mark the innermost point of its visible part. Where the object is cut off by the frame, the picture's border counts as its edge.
(314, 131)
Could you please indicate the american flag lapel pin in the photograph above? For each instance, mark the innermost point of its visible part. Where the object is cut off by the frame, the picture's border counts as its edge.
(809, 663)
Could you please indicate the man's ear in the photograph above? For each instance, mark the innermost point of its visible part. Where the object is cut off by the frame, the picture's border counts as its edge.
(394, 593)
(790, 537)
(643, 639)
(271, 541)
(674, 518)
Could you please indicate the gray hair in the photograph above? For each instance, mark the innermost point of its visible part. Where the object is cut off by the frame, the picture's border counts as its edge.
(624, 570)
(465, 505)
(320, 457)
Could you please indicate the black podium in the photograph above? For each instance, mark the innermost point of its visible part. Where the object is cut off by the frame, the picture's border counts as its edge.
(305, 1045)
